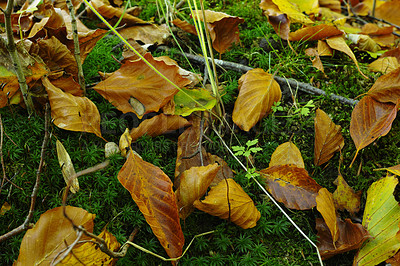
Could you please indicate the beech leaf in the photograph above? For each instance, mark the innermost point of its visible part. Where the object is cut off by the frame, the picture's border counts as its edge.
(386, 89)
(188, 101)
(151, 189)
(240, 209)
(67, 168)
(326, 207)
(287, 153)
(313, 33)
(345, 197)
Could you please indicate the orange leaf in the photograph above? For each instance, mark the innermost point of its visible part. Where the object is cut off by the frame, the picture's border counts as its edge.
(326, 207)
(287, 153)
(313, 33)
(232, 203)
(384, 65)
(194, 184)
(338, 43)
(387, 88)
(257, 93)
(52, 234)
(345, 197)
(158, 125)
(389, 11)
(151, 189)
(136, 84)
(66, 83)
(328, 138)
(351, 236)
(186, 26)
(370, 120)
(292, 186)
(71, 112)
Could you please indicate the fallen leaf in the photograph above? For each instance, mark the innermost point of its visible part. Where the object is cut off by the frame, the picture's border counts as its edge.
(71, 112)
(67, 168)
(370, 120)
(373, 29)
(125, 142)
(338, 43)
(136, 81)
(292, 186)
(324, 49)
(158, 125)
(184, 25)
(228, 200)
(188, 101)
(381, 219)
(65, 82)
(258, 91)
(395, 260)
(345, 197)
(313, 33)
(364, 42)
(328, 138)
(389, 11)
(287, 153)
(326, 207)
(316, 60)
(386, 89)
(351, 236)
(276, 18)
(224, 172)
(295, 8)
(384, 65)
(193, 185)
(151, 189)
(5, 208)
(52, 234)
(147, 34)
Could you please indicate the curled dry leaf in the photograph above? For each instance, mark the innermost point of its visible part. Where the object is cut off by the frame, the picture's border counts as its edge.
(370, 120)
(276, 18)
(52, 234)
(223, 29)
(71, 112)
(292, 186)
(158, 125)
(232, 203)
(137, 88)
(287, 153)
(345, 197)
(328, 138)
(125, 142)
(313, 33)
(381, 219)
(351, 236)
(386, 88)
(326, 207)
(194, 184)
(151, 189)
(258, 91)
(90, 254)
(67, 168)
(316, 60)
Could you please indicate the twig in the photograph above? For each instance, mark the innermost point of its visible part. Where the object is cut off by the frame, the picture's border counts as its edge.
(305, 87)
(35, 190)
(68, 250)
(11, 47)
(387, 22)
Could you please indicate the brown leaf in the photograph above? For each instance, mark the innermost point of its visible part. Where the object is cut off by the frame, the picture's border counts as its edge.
(395, 260)
(232, 203)
(147, 34)
(87, 41)
(328, 138)
(324, 49)
(316, 61)
(313, 33)
(151, 190)
(136, 81)
(373, 29)
(384, 65)
(184, 25)
(257, 93)
(158, 125)
(345, 197)
(389, 11)
(52, 234)
(276, 18)
(66, 83)
(386, 89)
(71, 112)
(223, 173)
(223, 29)
(338, 43)
(287, 153)
(326, 207)
(193, 185)
(351, 236)
(370, 120)
(292, 186)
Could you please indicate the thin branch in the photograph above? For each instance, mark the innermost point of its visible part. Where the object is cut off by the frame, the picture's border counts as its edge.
(305, 87)
(35, 190)
(67, 251)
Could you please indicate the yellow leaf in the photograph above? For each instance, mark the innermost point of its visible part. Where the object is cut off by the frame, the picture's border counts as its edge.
(345, 197)
(67, 168)
(287, 153)
(6, 207)
(326, 207)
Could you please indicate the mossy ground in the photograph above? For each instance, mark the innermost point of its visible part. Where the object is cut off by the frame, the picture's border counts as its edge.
(274, 241)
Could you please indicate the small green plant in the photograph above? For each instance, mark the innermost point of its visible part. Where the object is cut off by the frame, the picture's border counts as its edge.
(305, 110)
(246, 152)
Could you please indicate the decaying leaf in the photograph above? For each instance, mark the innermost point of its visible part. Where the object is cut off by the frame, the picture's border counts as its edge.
(151, 189)
(287, 153)
(328, 138)
(258, 91)
(381, 219)
(136, 80)
(233, 204)
(4, 208)
(326, 207)
(351, 236)
(52, 234)
(188, 101)
(292, 186)
(370, 120)
(276, 18)
(125, 142)
(315, 59)
(71, 112)
(345, 197)
(194, 184)
(158, 125)
(386, 88)
(67, 168)
(295, 9)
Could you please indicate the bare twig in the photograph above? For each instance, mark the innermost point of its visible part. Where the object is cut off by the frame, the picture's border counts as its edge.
(35, 190)
(67, 251)
(305, 87)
